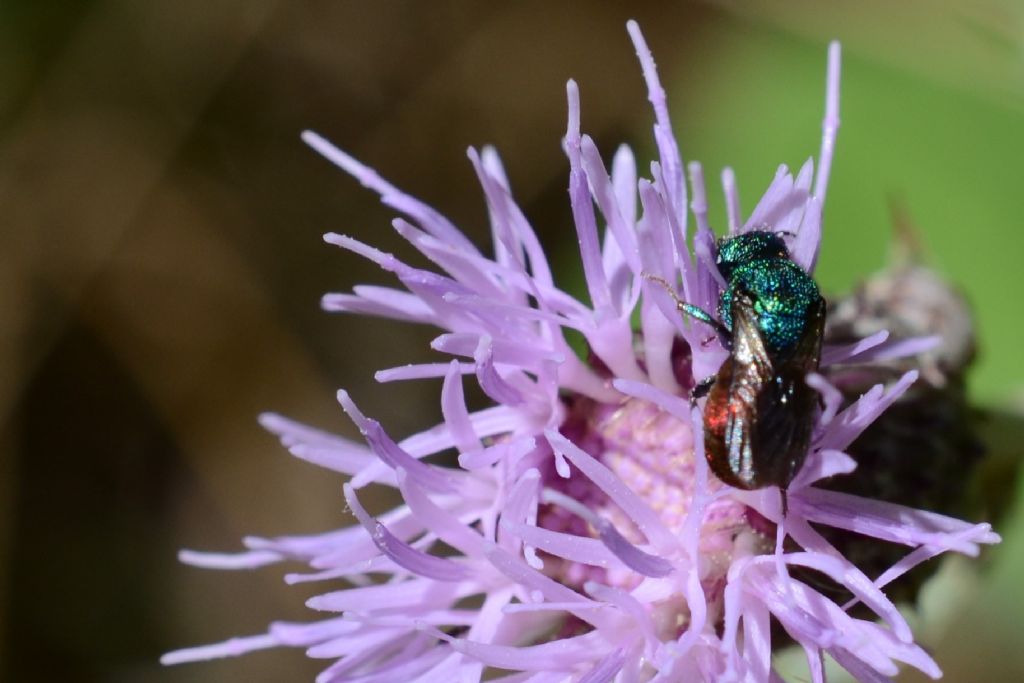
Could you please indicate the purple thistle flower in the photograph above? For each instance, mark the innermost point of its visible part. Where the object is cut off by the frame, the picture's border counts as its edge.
(589, 541)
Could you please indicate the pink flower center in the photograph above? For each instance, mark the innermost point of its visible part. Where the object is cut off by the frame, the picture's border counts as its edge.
(652, 452)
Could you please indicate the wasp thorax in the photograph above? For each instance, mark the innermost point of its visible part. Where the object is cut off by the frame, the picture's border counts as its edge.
(747, 247)
(757, 265)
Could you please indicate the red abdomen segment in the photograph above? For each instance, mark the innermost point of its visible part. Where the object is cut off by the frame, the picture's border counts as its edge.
(757, 425)
(721, 413)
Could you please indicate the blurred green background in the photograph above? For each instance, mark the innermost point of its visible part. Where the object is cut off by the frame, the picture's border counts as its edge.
(161, 261)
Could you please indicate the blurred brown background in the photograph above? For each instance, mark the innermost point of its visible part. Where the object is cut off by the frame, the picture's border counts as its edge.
(161, 263)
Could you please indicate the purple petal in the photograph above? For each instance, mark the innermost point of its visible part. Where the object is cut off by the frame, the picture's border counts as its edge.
(860, 670)
(292, 433)
(528, 677)
(804, 248)
(304, 635)
(347, 461)
(856, 582)
(631, 556)
(697, 603)
(430, 219)
(465, 344)
(379, 564)
(583, 210)
(732, 199)
(413, 310)
(397, 669)
(667, 307)
(900, 348)
(757, 641)
(448, 669)
(657, 252)
(521, 505)
(882, 640)
(510, 452)
(845, 353)
(318, 447)
(551, 590)
(821, 465)
(396, 595)
(646, 520)
(784, 203)
(420, 371)
(891, 522)
(581, 549)
(612, 342)
(830, 396)
(355, 648)
(488, 618)
(659, 339)
(830, 125)
(456, 415)
(252, 559)
(670, 403)
(491, 381)
(465, 271)
(540, 607)
(606, 668)
(706, 282)
(778, 191)
(357, 548)
(815, 660)
(389, 452)
(796, 206)
(801, 610)
(508, 248)
(311, 547)
(562, 654)
(673, 225)
(699, 203)
(849, 424)
(604, 195)
(510, 319)
(489, 422)
(628, 605)
(233, 647)
(924, 553)
(439, 521)
(404, 555)
(668, 149)
(624, 181)
(521, 228)
(404, 302)
(436, 283)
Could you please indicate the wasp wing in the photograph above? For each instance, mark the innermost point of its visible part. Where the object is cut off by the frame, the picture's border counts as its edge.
(765, 403)
(786, 407)
(733, 404)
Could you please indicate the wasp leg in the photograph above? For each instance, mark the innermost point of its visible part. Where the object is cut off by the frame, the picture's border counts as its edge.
(724, 335)
(695, 312)
(702, 389)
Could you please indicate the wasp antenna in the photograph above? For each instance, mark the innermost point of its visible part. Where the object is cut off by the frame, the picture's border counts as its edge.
(666, 285)
(693, 311)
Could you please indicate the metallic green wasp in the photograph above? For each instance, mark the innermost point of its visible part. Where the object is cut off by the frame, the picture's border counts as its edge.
(759, 415)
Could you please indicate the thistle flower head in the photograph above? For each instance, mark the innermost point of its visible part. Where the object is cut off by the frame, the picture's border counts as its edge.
(586, 539)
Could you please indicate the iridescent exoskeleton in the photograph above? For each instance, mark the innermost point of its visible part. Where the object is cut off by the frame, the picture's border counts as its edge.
(759, 414)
